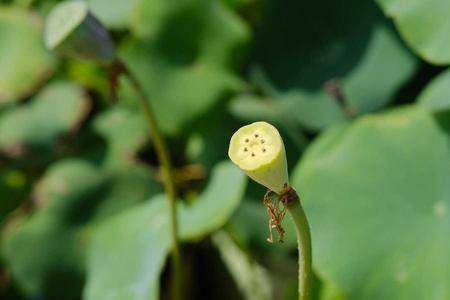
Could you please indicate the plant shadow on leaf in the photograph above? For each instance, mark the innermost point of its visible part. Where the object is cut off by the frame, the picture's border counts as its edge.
(303, 45)
(322, 39)
(180, 40)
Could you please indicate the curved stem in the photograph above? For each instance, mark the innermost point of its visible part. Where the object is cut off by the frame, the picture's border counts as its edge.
(168, 180)
(295, 209)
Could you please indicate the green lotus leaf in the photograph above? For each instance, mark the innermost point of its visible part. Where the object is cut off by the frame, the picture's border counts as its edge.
(377, 195)
(59, 108)
(302, 48)
(24, 61)
(128, 252)
(45, 251)
(424, 26)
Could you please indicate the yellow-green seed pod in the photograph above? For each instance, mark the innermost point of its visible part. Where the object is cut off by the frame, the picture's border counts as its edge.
(258, 150)
(73, 31)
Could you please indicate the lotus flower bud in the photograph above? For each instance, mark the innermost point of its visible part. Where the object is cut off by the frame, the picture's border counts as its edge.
(72, 31)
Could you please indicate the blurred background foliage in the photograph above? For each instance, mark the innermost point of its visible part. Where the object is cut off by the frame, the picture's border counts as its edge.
(359, 89)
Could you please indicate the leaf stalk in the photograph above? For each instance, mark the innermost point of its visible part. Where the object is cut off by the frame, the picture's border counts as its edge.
(291, 201)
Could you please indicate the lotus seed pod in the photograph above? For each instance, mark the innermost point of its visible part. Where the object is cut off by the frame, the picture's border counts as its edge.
(258, 150)
(72, 31)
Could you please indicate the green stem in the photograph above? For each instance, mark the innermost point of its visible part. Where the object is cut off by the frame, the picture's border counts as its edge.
(168, 180)
(295, 209)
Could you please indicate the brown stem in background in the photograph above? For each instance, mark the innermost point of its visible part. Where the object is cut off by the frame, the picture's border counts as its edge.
(333, 87)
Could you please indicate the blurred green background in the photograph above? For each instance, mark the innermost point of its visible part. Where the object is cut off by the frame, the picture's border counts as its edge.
(359, 89)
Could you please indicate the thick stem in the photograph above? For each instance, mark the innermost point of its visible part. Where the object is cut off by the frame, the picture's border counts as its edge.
(168, 179)
(295, 209)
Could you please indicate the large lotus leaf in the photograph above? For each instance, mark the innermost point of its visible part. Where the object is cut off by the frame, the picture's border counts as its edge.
(125, 132)
(424, 26)
(178, 93)
(45, 252)
(436, 95)
(128, 252)
(377, 196)
(57, 109)
(24, 61)
(113, 14)
(302, 45)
